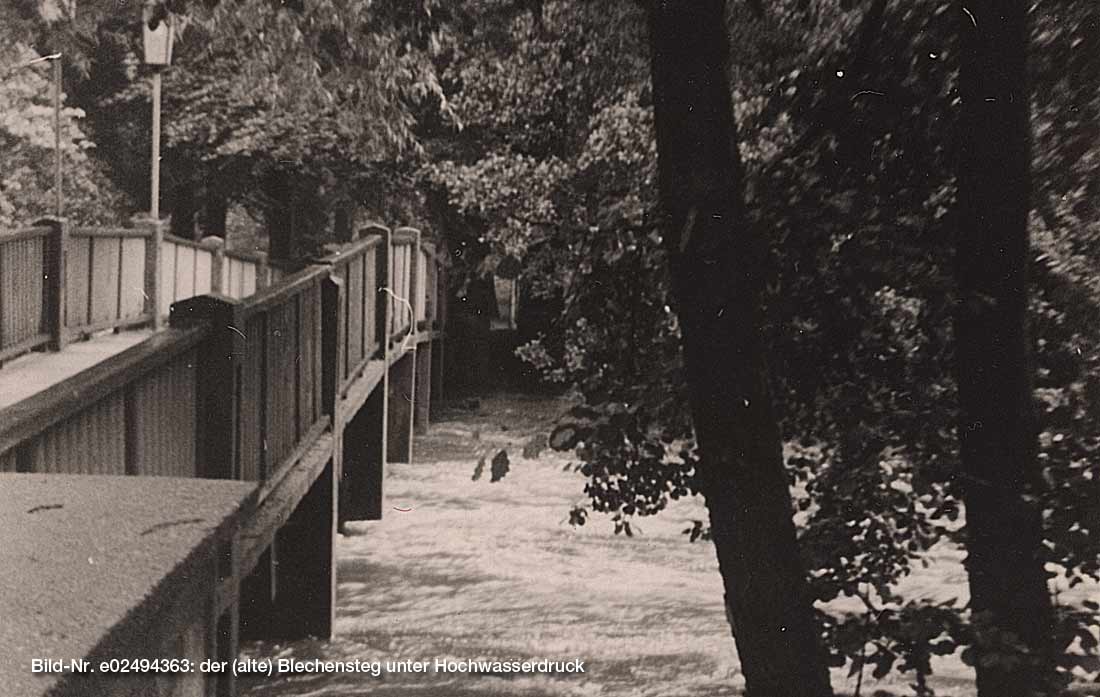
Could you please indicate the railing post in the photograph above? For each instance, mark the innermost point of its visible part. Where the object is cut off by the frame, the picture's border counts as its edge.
(383, 293)
(219, 375)
(402, 374)
(216, 245)
(54, 274)
(153, 247)
(414, 283)
(332, 344)
(263, 271)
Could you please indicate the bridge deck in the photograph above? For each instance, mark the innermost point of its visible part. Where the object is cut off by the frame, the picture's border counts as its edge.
(31, 373)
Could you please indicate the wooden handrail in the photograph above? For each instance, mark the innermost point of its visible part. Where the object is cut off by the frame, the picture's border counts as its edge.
(112, 232)
(24, 234)
(287, 287)
(23, 420)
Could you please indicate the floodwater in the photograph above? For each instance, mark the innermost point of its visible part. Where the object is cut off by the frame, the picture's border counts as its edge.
(460, 569)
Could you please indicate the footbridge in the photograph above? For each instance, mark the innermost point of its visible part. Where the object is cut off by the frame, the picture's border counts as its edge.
(182, 429)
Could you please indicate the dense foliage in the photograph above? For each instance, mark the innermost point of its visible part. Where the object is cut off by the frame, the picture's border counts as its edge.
(846, 117)
(27, 132)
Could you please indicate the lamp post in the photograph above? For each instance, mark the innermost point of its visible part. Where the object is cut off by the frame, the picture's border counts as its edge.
(157, 36)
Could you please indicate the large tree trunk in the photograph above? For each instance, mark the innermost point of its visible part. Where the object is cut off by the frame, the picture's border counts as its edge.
(715, 265)
(997, 433)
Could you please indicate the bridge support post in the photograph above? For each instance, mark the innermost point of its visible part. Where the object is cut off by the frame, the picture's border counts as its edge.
(399, 420)
(437, 371)
(305, 593)
(364, 446)
(423, 382)
(291, 594)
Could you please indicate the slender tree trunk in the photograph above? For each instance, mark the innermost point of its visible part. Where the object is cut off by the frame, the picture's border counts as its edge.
(215, 212)
(282, 229)
(998, 432)
(184, 206)
(715, 264)
(343, 224)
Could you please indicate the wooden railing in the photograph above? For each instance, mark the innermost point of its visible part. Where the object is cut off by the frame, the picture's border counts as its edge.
(105, 283)
(431, 298)
(132, 414)
(279, 404)
(26, 256)
(358, 268)
(235, 388)
(189, 268)
(108, 278)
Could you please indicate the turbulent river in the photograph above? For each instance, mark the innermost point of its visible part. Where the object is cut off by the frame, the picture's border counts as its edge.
(472, 578)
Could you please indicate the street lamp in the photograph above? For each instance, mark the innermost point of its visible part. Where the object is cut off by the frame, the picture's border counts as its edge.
(157, 36)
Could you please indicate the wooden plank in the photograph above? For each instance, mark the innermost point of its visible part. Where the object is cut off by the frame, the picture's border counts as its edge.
(279, 294)
(34, 291)
(185, 272)
(132, 279)
(77, 270)
(422, 286)
(103, 305)
(204, 270)
(114, 233)
(369, 239)
(162, 421)
(21, 291)
(309, 313)
(339, 276)
(282, 383)
(226, 283)
(249, 284)
(251, 435)
(383, 276)
(355, 313)
(370, 303)
(231, 278)
(92, 441)
(40, 231)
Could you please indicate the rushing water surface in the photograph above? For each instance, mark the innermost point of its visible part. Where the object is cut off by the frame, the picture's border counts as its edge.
(477, 570)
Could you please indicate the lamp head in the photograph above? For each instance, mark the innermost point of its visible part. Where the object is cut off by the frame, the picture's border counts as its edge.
(156, 29)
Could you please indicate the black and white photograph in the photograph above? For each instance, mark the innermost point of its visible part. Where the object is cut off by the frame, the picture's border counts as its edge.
(549, 348)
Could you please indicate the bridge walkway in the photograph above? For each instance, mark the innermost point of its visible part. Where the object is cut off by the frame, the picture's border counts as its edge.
(301, 389)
